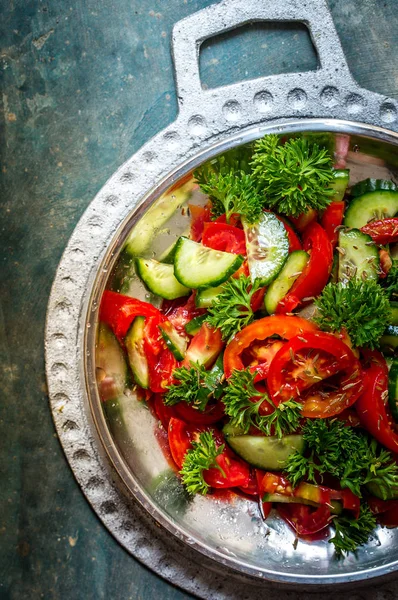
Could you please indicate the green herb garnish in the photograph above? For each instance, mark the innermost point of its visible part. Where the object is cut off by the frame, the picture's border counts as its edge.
(293, 176)
(195, 387)
(390, 283)
(199, 458)
(231, 309)
(351, 456)
(360, 307)
(242, 403)
(351, 532)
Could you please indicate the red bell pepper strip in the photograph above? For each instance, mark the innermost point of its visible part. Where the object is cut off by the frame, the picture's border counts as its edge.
(119, 311)
(303, 362)
(316, 272)
(258, 331)
(382, 232)
(227, 238)
(371, 406)
(332, 218)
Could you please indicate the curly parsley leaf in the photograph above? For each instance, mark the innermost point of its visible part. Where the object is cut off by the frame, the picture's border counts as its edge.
(196, 385)
(294, 176)
(390, 283)
(349, 455)
(231, 309)
(242, 403)
(351, 532)
(199, 458)
(360, 307)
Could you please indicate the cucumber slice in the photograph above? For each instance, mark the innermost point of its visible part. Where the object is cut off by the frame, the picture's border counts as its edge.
(278, 289)
(358, 256)
(372, 185)
(205, 298)
(374, 205)
(382, 492)
(268, 453)
(159, 278)
(196, 266)
(267, 247)
(195, 324)
(389, 340)
(336, 507)
(340, 184)
(174, 341)
(134, 342)
(168, 255)
(112, 369)
(393, 389)
(394, 313)
(154, 219)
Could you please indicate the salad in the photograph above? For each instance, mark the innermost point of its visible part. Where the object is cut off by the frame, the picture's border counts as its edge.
(268, 353)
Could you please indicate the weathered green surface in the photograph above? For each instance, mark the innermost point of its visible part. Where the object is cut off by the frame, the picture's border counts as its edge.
(84, 84)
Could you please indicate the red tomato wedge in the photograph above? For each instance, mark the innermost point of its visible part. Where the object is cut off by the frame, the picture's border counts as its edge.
(259, 331)
(304, 362)
(119, 311)
(316, 272)
(199, 215)
(382, 232)
(371, 406)
(204, 347)
(223, 237)
(305, 520)
(332, 218)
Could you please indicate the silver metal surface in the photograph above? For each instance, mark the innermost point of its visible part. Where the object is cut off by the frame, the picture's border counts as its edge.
(112, 472)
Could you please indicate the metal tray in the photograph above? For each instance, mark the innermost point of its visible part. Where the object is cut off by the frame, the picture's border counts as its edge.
(215, 545)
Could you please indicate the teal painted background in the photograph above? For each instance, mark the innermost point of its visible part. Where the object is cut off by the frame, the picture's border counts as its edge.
(84, 84)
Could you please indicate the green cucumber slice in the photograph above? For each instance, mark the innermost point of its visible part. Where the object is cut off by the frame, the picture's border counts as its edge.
(393, 389)
(372, 185)
(195, 324)
(159, 278)
(340, 184)
(278, 289)
(336, 507)
(196, 266)
(394, 313)
(174, 341)
(205, 298)
(268, 453)
(134, 342)
(267, 247)
(374, 205)
(358, 256)
(154, 219)
(112, 370)
(389, 340)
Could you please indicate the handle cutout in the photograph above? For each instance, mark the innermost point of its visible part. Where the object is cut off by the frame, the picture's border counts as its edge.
(256, 50)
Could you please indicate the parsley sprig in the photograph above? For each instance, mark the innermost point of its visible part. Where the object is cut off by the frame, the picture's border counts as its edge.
(351, 532)
(231, 309)
(199, 458)
(242, 403)
(294, 176)
(196, 386)
(360, 307)
(390, 283)
(351, 456)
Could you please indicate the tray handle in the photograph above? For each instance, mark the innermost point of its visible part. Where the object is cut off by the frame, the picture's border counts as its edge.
(189, 33)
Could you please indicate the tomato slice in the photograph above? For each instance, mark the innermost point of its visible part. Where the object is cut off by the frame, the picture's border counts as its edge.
(316, 272)
(332, 218)
(258, 331)
(204, 347)
(119, 311)
(181, 435)
(385, 263)
(164, 413)
(305, 219)
(308, 359)
(236, 472)
(265, 507)
(382, 232)
(179, 312)
(199, 215)
(386, 511)
(371, 406)
(161, 361)
(226, 238)
(305, 520)
(209, 416)
(251, 489)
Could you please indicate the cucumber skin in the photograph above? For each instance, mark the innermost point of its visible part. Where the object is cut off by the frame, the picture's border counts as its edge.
(174, 341)
(205, 297)
(339, 184)
(389, 340)
(170, 288)
(268, 453)
(193, 326)
(110, 358)
(372, 185)
(283, 282)
(184, 275)
(347, 241)
(394, 312)
(364, 208)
